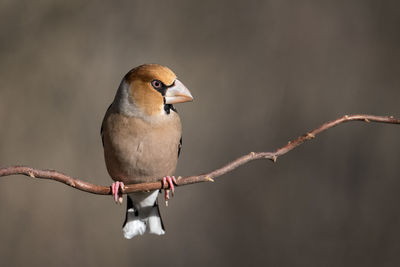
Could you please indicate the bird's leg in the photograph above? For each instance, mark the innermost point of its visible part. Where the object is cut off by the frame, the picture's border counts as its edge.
(168, 180)
(115, 188)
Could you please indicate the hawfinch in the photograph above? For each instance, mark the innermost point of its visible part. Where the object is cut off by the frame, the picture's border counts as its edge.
(142, 138)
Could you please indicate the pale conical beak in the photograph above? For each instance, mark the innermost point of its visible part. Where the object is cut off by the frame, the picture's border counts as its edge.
(177, 93)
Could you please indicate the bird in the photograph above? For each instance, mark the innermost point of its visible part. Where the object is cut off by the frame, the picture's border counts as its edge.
(142, 137)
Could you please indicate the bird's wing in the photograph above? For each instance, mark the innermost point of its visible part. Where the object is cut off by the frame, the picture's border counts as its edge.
(102, 125)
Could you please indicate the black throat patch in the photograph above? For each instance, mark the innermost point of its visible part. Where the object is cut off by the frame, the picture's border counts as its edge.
(168, 107)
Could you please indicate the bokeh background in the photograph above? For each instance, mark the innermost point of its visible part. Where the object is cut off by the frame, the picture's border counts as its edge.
(262, 73)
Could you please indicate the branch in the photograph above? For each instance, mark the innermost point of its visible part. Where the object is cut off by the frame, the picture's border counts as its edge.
(207, 177)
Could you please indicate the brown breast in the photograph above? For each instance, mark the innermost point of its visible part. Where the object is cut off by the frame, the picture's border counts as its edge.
(138, 151)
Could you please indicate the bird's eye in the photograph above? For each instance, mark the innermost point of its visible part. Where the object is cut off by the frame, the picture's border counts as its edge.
(156, 84)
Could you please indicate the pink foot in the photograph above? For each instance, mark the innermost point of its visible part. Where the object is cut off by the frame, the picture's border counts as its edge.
(170, 180)
(115, 188)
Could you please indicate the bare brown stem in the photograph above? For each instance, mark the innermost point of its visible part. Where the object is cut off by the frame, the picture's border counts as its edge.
(206, 177)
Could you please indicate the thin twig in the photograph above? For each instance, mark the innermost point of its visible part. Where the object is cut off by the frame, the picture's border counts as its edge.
(207, 177)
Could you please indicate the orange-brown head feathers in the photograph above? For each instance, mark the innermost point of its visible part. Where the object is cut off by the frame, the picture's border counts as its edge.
(149, 72)
(142, 92)
(145, 90)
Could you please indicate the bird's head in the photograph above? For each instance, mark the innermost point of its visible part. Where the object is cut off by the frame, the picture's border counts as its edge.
(151, 89)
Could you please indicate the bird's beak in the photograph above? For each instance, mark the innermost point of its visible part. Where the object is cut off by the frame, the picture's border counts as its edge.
(177, 93)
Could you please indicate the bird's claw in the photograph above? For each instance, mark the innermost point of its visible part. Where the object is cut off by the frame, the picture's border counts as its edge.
(169, 180)
(116, 189)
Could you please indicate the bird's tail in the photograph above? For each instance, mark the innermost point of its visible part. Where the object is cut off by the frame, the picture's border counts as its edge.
(142, 215)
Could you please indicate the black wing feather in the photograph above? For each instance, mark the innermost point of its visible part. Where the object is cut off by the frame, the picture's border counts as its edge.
(179, 146)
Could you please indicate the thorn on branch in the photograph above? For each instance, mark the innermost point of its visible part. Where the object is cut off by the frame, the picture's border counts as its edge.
(310, 136)
(209, 179)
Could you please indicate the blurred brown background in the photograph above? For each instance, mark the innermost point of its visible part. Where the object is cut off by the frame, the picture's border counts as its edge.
(262, 73)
